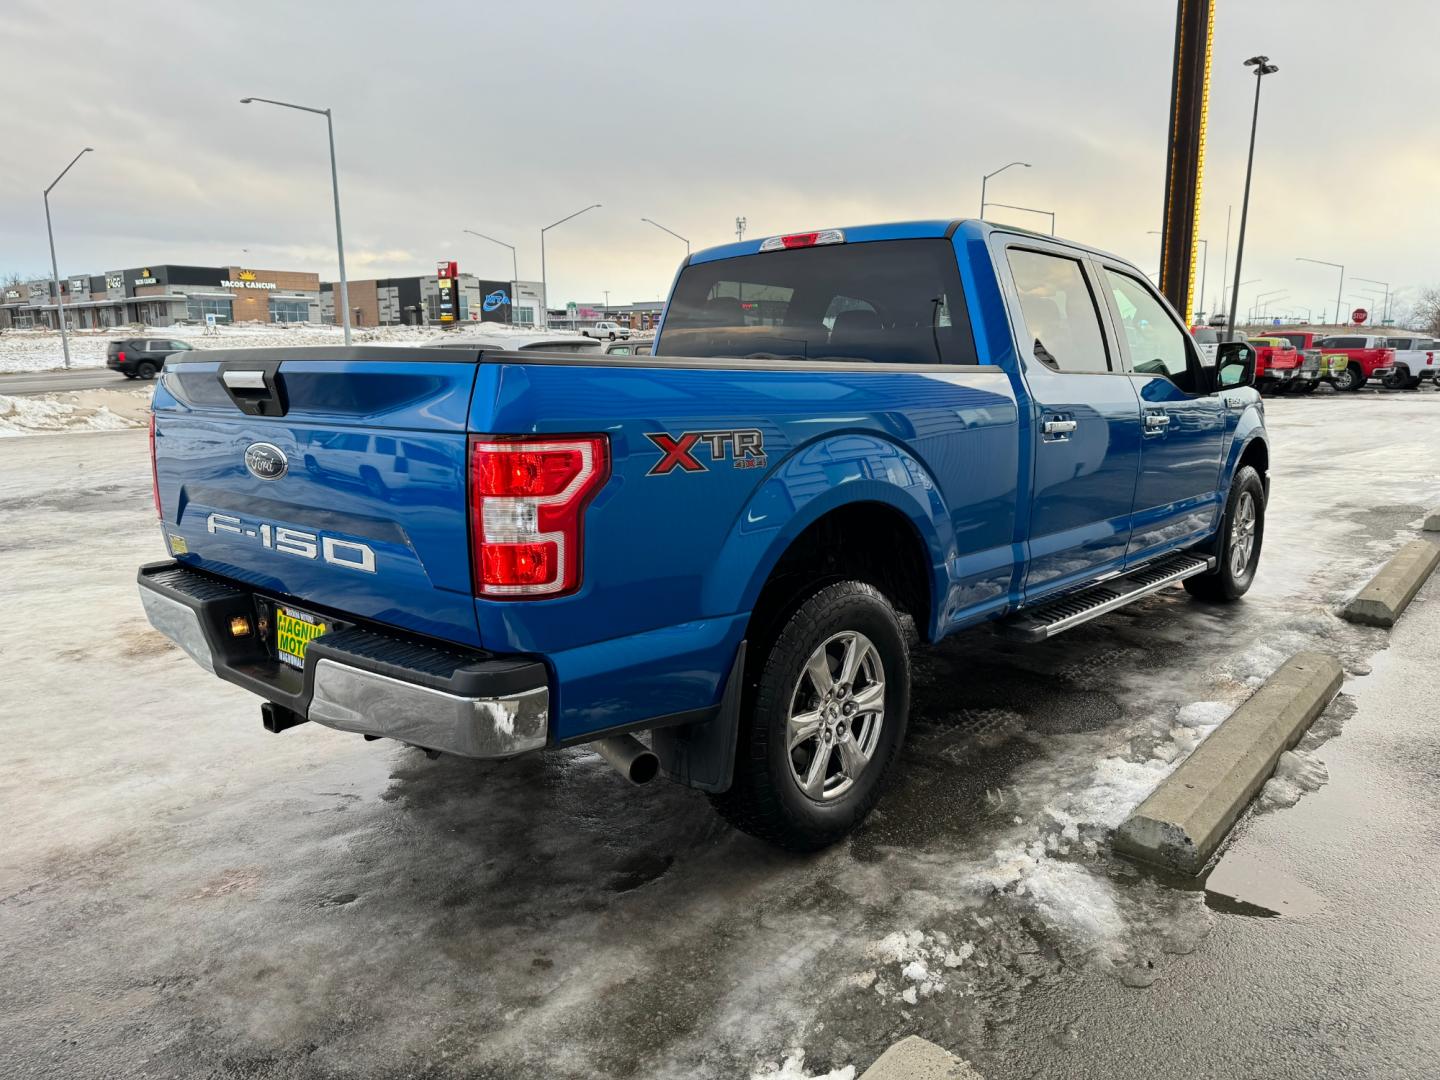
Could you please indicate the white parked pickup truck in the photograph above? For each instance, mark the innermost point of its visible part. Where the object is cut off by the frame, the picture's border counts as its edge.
(1417, 359)
(606, 329)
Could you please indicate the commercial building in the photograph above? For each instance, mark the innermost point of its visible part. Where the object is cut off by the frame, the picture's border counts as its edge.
(417, 301)
(162, 295)
(576, 316)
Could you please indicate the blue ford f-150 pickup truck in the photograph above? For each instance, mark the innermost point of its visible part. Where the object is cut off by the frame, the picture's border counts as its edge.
(490, 553)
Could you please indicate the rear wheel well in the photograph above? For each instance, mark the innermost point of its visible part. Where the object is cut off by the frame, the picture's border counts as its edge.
(869, 542)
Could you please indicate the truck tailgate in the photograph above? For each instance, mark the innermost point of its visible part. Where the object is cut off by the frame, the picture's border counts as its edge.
(338, 482)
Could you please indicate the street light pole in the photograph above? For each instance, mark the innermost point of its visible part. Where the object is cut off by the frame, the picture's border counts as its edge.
(544, 282)
(514, 264)
(335, 191)
(54, 266)
(986, 179)
(1385, 317)
(1339, 292)
(672, 232)
(1029, 210)
(1262, 67)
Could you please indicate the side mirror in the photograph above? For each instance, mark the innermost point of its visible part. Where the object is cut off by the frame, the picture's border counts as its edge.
(1234, 365)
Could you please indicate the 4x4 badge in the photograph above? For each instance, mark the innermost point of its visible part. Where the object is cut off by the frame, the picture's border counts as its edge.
(745, 447)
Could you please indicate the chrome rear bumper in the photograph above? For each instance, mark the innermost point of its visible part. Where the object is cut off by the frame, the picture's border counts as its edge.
(357, 680)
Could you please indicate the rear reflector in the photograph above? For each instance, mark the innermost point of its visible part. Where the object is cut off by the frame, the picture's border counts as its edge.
(802, 240)
(527, 507)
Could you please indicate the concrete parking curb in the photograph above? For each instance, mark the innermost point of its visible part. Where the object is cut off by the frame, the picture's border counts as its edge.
(1186, 818)
(1432, 520)
(914, 1058)
(1391, 590)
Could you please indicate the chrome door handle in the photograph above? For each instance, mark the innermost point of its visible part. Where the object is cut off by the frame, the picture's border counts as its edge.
(1059, 427)
(1156, 421)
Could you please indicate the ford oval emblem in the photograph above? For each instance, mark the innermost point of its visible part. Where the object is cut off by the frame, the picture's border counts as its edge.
(266, 461)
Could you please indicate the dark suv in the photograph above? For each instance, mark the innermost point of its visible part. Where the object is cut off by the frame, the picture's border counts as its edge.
(141, 358)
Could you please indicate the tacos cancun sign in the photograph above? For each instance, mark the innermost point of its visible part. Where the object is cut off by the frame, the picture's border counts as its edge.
(246, 280)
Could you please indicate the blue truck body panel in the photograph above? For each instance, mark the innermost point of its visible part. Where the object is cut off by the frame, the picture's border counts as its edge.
(673, 563)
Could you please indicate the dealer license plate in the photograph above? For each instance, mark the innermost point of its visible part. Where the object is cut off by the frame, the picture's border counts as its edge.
(294, 630)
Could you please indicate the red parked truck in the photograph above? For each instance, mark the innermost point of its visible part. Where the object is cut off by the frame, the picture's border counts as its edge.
(1277, 364)
(1355, 359)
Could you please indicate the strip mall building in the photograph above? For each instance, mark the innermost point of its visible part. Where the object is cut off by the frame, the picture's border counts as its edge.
(163, 295)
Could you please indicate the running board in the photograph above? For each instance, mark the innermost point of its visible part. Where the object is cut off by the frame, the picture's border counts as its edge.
(1052, 617)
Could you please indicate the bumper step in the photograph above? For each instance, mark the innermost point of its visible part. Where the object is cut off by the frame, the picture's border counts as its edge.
(1056, 616)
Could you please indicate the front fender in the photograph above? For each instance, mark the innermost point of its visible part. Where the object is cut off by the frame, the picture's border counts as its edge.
(1248, 428)
(834, 471)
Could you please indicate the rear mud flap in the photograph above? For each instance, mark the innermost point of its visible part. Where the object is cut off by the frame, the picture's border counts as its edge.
(702, 756)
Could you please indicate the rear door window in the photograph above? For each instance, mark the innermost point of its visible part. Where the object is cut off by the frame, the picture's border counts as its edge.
(1061, 318)
(886, 301)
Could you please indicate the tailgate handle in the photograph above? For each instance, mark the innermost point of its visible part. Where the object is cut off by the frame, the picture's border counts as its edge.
(255, 386)
(237, 379)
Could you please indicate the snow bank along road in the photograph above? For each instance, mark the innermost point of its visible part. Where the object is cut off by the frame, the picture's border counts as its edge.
(182, 893)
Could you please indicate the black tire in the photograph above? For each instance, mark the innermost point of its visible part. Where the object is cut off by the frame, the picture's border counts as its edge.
(1305, 388)
(612, 335)
(766, 798)
(1227, 583)
(145, 369)
(373, 483)
(1350, 378)
(129, 374)
(1399, 379)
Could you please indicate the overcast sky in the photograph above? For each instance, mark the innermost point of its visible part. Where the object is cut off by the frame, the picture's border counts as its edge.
(505, 117)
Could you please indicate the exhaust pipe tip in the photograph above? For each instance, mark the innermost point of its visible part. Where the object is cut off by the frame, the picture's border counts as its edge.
(628, 756)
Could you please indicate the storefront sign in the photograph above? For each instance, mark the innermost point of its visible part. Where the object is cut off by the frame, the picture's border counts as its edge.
(246, 280)
(12, 294)
(447, 275)
(115, 281)
(79, 285)
(494, 301)
(146, 278)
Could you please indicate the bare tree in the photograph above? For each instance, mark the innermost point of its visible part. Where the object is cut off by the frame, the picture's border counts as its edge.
(1427, 312)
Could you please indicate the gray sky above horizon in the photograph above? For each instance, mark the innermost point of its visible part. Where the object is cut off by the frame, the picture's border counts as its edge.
(504, 118)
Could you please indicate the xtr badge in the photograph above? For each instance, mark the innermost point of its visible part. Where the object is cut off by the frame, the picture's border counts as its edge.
(744, 447)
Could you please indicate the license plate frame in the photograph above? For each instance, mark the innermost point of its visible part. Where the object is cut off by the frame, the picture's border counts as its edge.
(295, 628)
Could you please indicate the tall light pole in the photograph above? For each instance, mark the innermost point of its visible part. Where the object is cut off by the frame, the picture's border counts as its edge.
(54, 266)
(1372, 281)
(544, 284)
(1340, 291)
(1262, 67)
(335, 189)
(514, 264)
(672, 232)
(986, 179)
(1029, 210)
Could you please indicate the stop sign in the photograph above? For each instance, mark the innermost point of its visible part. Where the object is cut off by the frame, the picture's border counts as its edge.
(1359, 315)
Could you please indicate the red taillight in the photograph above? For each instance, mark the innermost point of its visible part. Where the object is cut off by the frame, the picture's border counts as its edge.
(120, 356)
(154, 471)
(527, 506)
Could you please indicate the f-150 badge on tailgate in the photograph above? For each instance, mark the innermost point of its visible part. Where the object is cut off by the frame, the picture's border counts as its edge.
(743, 446)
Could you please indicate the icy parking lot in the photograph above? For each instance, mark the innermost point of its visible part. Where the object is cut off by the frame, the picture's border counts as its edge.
(184, 894)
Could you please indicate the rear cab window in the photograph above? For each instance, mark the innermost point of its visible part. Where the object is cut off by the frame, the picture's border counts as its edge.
(882, 301)
(1059, 310)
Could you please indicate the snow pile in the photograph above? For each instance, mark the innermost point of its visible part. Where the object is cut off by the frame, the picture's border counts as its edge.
(41, 350)
(1065, 894)
(34, 415)
(1296, 774)
(793, 1068)
(922, 960)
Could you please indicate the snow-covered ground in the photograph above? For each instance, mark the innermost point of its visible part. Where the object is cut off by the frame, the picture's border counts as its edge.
(40, 350)
(85, 410)
(332, 907)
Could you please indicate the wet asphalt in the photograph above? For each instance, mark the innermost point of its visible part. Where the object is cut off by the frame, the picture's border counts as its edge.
(183, 894)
